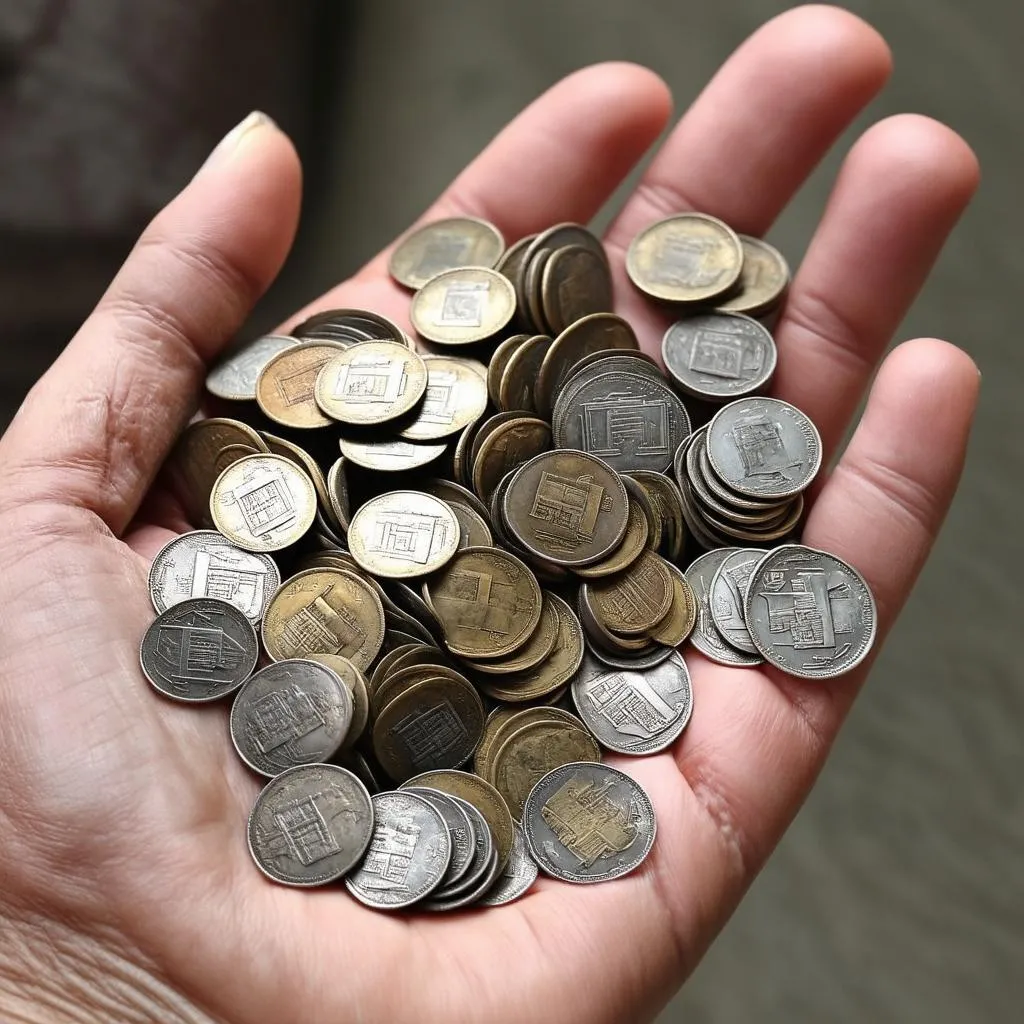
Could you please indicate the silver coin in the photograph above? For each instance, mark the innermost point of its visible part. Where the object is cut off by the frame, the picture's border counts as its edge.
(631, 711)
(199, 650)
(460, 827)
(519, 874)
(484, 853)
(235, 377)
(408, 855)
(810, 613)
(587, 822)
(290, 713)
(490, 876)
(728, 594)
(705, 636)
(204, 563)
(646, 659)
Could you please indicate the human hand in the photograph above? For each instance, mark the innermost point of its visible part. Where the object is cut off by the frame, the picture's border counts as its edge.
(128, 893)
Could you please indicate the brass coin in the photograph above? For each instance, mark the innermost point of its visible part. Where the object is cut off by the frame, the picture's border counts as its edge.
(486, 428)
(492, 725)
(763, 280)
(635, 601)
(460, 455)
(371, 383)
(288, 450)
(600, 636)
(664, 495)
(337, 493)
(539, 251)
(631, 548)
(567, 507)
(533, 275)
(401, 679)
(234, 377)
(518, 717)
(325, 611)
(650, 513)
(576, 282)
(349, 327)
(507, 448)
(402, 534)
(463, 306)
(456, 395)
(473, 529)
(488, 602)
(682, 615)
(686, 258)
(511, 262)
(263, 503)
(390, 662)
(516, 390)
(534, 651)
(390, 456)
(285, 388)
(355, 681)
(444, 245)
(499, 360)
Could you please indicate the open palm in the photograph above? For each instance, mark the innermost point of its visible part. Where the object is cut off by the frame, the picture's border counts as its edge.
(128, 892)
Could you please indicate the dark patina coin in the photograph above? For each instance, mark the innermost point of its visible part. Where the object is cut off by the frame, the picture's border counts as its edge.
(576, 282)
(763, 280)
(728, 596)
(519, 874)
(705, 636)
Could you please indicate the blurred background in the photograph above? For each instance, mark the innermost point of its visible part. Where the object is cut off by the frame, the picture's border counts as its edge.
(899, 892)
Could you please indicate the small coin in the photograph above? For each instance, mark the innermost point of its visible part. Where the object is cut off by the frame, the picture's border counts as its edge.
(390, 456)
(686, 258)
(444, 245)
(460, 828)
(588, 823)
(728, 593)
(235, 376)
(514, 719)
(463, 306)
(496, 367)
(635, 601)
(408, 855)
(355, 681)
(520, 873)
(348, 327)
(634, 711)
(576, 282)
(705, 636)
(539, 252)
(810, 613)
(600, 635)
(371, 383)
(285, 390)
(505, 449)
(310, 825)
(763, 280)
(534, 651)
(456, 396)
(200, 649)
(519, 378)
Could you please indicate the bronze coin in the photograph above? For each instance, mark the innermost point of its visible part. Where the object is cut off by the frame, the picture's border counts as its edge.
(519, 379)
(763, 280)
(463, 306)
(355, 681)
(664, 495)
(349, 327)
(678, 624)
(515, 718)
(533, 309)
(576, 282)
(635, 601)
(632, 547)
(371, 383)
(533, 652)
(507, 448)
(456, 395)
(444, 245)
(448, 490)
(486, 428)
(285, 390)
(511, 262)
(492, 724)
(499, 360)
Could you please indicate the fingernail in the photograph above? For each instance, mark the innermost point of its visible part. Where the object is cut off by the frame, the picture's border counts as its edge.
(227, 145)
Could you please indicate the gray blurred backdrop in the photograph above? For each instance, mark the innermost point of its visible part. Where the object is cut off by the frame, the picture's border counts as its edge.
(899, 892)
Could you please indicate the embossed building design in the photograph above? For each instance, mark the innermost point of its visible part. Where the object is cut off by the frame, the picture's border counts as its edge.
(587, 821)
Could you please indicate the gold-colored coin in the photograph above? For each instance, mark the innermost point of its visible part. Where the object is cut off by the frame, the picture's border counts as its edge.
(288, 450)
(463, 306)
(686, 258)
(635, 601)
(487, 601)
(519, 378)
(325, 611)
(444, 245)
(511, 262)
(371, 383)
(533, 274)
(390, 456)
(599, 634)
(682, 615)
(499, 360)
(385, 665)
(492, 724)
(356, 683)
(403, 534)
(286, 385)
(505, 449)
(664, 496)
(513, 720)
(639, 495)
(263, 503)
(456, 395)
(448, 490)
(576, 282)
(533, 652)
(763, 280)
(631, 548)
(398, 680)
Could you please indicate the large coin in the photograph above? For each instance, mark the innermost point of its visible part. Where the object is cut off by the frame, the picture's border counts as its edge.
(810, 613)
(389, 456)
(290, 713)
(463, 306)
(576, 282)
(635, 601)
(310, 825)
(729, 594)
(263, 503)
(444, 245)
(460, 828)
(588, 823)
(763, 280)
(199, 650)
(371, 383)
(634, 711)
(705, 636)
(205, 564)
(286, 389)
(519, 874)
(456, 395)
(235, 376)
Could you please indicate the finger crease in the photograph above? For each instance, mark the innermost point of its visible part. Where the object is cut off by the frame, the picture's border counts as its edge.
(826, 325)
(898, 490)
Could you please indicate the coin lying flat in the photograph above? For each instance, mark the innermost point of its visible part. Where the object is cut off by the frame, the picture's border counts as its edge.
(200, 649)
(588, 823)
(763, 280)
(520, 873)
(235, 377)
(286, 388)
(456, 396)
(444, 245)
(371, 383)
(310, 825)
(705, 636)
(728, 595)
(463, 306)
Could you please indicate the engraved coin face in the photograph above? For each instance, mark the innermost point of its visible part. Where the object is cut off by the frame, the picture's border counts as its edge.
(263, 503)
(460, 828)
(484, 853)
(634, 711)
(290, 713)
(456, 395)
(445, 245)
(235, 377)
(575, 283)
(763, 280)
(719, 356)
(198, 650)
(371, 383)
(588, 823)
(763, 448)
(355, 682)
(810, 613)
(205, 564)
(705, 636)
(403, 534)
(520, 873)
(538, 648)
(310, 825)
(286, 388)
(728, 596)
(463, 306)
(389, 456)
(634, 601)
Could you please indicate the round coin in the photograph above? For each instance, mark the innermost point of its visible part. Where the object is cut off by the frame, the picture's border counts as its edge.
(444, 245)
(517, 390)
(389, 456)
(534, 651)
(505, 449)
(371, 383)
(349, 327)
(496, 367)
(633, 602)
(682, 617)
(519, 874)
(484, 853)
(355, 681)
(705, 636)
(763, 280)
(235, 376)
(728, 595)
(285, 390)
(463, 306)
(456, 396)
(460, 828)
(575, 283)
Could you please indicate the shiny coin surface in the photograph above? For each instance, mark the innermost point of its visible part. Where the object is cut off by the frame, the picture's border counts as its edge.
(633, 602)
(408, 855)
(484, 853)
(575, 283)
(389, 456)
(520, 873)
(456, 396)
(355, 682)
(460, 829)
(444, 245)
(263, 503)
(705, 636)
(200, 649)
(634, 711)
(310, 825)
(371, 383)
(402, 534)
(436, 903)
(290, 713)
(205, 564)
(588, 823)
(235, 377)
(763, 280)
(729, 593)
(286, 389)
(810, 613)
(463, 306)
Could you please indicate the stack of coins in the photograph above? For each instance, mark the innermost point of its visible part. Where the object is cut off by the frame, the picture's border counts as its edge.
(465, 567)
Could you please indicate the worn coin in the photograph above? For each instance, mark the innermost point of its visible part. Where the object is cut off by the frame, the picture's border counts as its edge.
(728, 595)
(285, 390)
(520, 873)
(484, 853)
(496, 367)
(519, 378)
(437, 903)
(473, 528)
(682, 617)
(460, 828)
(235, 376)
(349, 327)
(644, 660)
(633, 602)
(763, 280)
(355, 681)
(512, 259)
(663, 493)
(533, 652)
(291, 451)
(463, 306)
(444, 245)
(632, 546)
(705, 636)
(456, 395)
(389, 456)
(575, 283)
(371, 383)
(310, 825)
(505, 449)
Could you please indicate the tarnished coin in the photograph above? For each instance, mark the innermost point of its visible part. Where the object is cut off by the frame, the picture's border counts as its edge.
(520, 873)
(568, 507)
(452, 492)
(460, 828)
(463, 306)
(444, 245)
(285, 390)
(390, 456)
(263, 503)
(664, 495)
(200, 649)
(403, 533)
(473, 529)
(371, 383)
(349, 327)
(337, 493)
(634, 711)
(676, 627)
(205, 564)
(686, 258)
(438, 904)
(290, 713)
(519, 378)
(719, 356)
(496, 367)
(456, 396)
(355, 681)
(705, 636)
(534, 651)
(325, 611)
(408, 855)
(512, 259)
(764, 448)
(576, 282)
(293, 453)
(728, 594)
(763, 280)
(235, 376)
(511, 719)
(484, 853)
(632, 546)
(588, 823)
(810, 613)
(635, 601)
(505, 449)
(310, 825)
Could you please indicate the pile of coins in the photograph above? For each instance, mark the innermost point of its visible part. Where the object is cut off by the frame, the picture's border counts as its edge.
(440, 580)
